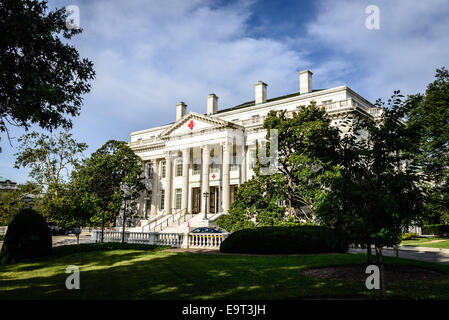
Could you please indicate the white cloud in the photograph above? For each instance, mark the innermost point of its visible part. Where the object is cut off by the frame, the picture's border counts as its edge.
(412, 42)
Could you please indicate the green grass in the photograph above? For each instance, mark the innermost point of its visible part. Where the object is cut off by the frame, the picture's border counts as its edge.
(419, 242)
(138, 274)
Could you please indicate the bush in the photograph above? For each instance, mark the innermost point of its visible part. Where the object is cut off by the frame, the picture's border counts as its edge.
(285, 240)
(27, 237)
(440, 230)
(409, 236)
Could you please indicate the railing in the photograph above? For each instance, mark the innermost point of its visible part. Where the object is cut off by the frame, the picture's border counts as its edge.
(153, 238)
(170, 219)
(177, 240)
(206, 240)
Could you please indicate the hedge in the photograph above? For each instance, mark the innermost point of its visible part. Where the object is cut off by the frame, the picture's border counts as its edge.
(440, 230)
(27, 238)
(285, 240)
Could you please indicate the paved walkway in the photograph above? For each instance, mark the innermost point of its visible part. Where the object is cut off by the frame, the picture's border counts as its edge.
(414, 253)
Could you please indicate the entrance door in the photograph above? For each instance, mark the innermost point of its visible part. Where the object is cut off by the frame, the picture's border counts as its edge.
(196, 200)
(213, 200)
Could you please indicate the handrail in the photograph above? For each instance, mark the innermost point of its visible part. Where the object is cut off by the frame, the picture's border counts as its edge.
(170, 217)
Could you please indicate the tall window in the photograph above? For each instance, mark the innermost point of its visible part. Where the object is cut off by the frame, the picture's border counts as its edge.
(162, 200)
(163, 170)
(149, 170)
(178, 172)
(196, 168)
(178, 198)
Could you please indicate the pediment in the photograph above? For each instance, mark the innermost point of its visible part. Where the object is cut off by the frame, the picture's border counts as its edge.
(193, 122)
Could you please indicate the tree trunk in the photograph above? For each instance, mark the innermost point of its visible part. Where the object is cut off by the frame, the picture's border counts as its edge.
(380, 263)
(370, 254)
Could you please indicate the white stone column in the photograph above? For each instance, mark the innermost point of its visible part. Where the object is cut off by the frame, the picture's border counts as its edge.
(205, 180)
(168, 183)
(226, 176)
(243, 165)
(185, 179)
(155, 191)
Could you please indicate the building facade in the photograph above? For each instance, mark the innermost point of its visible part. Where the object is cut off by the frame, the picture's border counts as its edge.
(196, 164)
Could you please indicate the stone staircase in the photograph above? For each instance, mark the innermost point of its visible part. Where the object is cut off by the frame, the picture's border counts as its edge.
(175, 223)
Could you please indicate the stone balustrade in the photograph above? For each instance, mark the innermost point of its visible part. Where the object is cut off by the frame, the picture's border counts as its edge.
(176, 240)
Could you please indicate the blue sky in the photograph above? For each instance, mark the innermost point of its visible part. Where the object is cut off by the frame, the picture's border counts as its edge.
(149, 55)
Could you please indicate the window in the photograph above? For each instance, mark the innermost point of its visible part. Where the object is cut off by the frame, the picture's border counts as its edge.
(252, 161)
(196, 168)
(150, 171)
(178, 198)
(163, 171)
(214, 167)
(162, 200)
(178, 172)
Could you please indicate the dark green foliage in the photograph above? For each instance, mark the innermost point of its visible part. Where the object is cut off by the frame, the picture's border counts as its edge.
(42, 76)
(285, 240)
(87, 247)
(436, 229)
(27, 238)
(428, 117)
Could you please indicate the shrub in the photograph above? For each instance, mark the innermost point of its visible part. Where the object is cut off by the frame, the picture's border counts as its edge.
(440, 230)
(285, 240)
(409, 236)
(27, 237)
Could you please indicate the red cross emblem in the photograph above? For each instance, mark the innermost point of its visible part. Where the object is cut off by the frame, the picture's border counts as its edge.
(213, 176)
(191, 124)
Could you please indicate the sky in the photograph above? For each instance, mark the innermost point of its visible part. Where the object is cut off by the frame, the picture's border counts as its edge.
(149, 55)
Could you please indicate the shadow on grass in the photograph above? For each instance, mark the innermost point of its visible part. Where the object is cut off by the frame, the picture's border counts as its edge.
(128, 274)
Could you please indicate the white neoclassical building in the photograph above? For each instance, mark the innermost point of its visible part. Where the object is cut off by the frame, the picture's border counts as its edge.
(194, 165)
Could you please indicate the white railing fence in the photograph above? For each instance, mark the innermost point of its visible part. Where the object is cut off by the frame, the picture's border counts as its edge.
(176, 240)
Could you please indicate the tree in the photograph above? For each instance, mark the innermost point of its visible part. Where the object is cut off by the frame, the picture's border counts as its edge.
(307, 153)
(105, 174)
(428, 116)
(307, 147)
(49, 157)
(11, 202)
(377, 191)
(42, 76)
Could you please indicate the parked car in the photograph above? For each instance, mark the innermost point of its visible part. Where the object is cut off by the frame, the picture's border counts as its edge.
(53, 228)
(75, 231)
(207, 230)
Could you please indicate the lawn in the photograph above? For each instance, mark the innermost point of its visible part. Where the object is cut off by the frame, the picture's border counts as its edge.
(442, 243)
(136, 274)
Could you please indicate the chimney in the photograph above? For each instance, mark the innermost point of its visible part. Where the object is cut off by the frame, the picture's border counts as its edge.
(305, 81)
(260, 89)
(181, 109)
(212, 104)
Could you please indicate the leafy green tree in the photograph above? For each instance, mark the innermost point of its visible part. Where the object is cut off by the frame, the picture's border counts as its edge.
(11, 202)
(307, 153)
(428, 116)
(104, 175)
(49, 157)
(307, 147)
(42, 77)
(377, 191)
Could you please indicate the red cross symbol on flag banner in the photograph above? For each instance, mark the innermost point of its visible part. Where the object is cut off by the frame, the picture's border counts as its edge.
(191, 124)
(213, 176)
